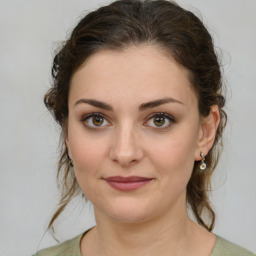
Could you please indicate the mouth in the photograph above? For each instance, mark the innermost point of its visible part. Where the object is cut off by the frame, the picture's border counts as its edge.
(127, 183)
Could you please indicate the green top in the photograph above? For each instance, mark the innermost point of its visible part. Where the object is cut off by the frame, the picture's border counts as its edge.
(72, 248)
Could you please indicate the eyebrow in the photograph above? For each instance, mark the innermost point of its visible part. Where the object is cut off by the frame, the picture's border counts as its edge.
(95, 103)
(159, 102)
(142, 107)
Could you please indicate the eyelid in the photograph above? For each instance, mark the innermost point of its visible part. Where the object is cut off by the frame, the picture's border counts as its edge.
(94, 114)
(84, 117)
(163, 114)
(169, 117)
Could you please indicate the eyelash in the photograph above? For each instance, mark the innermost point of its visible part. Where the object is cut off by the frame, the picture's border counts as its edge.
(93, 115)
(170, 119)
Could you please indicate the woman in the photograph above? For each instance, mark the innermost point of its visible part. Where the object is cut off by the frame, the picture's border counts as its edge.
(138, 94)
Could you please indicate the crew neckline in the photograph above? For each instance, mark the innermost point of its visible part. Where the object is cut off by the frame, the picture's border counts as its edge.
(217, 248)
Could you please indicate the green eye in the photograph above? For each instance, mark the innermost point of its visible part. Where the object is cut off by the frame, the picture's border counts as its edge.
(95, 120)
(159, 120)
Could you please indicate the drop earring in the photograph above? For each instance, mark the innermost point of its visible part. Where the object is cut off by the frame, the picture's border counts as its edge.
(203, 164)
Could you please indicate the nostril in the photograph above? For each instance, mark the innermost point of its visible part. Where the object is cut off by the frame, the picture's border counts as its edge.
(126, 157)
(126, 149)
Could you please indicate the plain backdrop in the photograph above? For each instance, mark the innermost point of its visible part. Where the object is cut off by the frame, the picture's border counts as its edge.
(29, 32)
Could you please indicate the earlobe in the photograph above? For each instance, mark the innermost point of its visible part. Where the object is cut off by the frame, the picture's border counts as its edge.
(207, 133)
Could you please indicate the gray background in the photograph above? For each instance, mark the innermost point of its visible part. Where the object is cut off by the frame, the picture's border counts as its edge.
(29, 32)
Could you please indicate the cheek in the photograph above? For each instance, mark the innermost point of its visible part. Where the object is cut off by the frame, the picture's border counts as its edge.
(87, 154)
(88, 151)
(175, 154)
(174, 158)
(87, 157)
(174, 165)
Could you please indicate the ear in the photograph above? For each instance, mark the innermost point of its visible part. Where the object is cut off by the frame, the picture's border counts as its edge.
(207, 133)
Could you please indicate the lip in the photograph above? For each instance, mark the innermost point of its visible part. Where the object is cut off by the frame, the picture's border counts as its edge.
(130, 183)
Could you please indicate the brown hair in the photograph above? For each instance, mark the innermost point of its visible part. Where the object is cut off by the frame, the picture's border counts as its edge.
(133, 22)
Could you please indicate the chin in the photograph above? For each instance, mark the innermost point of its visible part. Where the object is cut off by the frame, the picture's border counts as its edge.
(130, 218)
(128, 211)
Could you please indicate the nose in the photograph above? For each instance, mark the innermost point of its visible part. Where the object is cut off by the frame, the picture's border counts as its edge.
(126, 148)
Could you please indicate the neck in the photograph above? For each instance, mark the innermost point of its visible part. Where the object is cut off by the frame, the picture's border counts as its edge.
(167, 235)
(143, 238)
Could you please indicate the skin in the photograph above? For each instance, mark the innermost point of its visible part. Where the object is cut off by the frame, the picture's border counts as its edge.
(128, 141)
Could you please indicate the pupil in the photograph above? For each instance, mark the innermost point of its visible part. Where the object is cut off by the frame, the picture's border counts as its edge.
(159, 121)
(97, 121)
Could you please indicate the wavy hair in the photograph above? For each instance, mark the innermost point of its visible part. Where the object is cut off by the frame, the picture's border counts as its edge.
(133, 22)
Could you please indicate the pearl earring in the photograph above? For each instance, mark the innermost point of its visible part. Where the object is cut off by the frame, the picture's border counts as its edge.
(203, 164)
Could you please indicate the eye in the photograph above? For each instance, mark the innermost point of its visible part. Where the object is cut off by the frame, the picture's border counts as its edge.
(94, 120)
(160, 120)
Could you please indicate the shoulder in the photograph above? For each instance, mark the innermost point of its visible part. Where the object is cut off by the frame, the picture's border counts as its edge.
(67, 248)
(225, 248)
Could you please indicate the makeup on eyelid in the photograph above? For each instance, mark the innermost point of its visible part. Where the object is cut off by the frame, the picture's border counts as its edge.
(97, 120)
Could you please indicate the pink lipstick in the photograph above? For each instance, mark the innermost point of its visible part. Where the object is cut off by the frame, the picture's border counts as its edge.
(127, 183)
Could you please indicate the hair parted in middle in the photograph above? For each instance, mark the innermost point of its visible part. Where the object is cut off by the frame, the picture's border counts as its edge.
(126, 23)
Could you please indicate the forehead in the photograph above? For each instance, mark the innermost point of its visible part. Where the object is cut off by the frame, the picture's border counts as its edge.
(145, 72)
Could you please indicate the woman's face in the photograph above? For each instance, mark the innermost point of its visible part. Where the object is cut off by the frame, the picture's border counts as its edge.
(133, 133)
